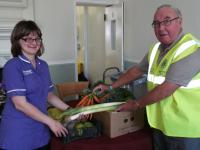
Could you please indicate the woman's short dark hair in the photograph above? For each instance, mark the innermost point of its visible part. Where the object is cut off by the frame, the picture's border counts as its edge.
(21, 29)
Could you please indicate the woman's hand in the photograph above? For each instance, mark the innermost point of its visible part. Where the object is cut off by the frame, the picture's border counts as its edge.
(101, 88)
(130, 105)
(57, 128)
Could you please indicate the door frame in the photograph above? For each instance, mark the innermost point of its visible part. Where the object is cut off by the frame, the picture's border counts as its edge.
(91, 3)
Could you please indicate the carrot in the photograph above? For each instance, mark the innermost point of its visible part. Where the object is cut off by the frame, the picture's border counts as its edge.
(87, 102)
(96, 99)
(82, 101)
(90, 102)
(103, 98)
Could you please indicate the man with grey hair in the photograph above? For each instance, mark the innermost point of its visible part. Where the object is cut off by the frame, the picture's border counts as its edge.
(173, 81)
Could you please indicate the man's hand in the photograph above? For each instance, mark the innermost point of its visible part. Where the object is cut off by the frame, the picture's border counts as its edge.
(100, 88)
(130, 105)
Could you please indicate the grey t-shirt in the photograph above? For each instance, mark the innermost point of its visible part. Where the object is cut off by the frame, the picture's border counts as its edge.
(180, 72)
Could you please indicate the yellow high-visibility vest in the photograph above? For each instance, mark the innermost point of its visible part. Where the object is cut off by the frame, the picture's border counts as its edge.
(179, 114)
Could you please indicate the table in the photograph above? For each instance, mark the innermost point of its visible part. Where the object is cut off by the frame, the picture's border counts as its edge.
(139, 140)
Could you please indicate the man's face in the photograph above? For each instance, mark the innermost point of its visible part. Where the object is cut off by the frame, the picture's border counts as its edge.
(167, 25)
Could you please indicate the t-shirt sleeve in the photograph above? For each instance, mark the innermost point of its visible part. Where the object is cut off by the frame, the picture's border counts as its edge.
(144, 64)
(13, 80)
(51, 85)
(184, 70)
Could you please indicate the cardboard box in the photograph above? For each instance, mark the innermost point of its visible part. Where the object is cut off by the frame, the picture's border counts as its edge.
(120, 123)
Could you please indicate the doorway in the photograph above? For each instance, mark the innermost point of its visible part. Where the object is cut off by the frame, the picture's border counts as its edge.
(99, 38)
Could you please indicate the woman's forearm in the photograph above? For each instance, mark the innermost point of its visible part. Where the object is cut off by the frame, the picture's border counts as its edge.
(56, 102)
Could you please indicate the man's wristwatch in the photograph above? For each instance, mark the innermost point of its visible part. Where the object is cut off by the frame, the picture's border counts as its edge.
(110, 87)
(67, 108)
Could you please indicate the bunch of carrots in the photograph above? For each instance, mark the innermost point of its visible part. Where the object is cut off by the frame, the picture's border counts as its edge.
(90, 99)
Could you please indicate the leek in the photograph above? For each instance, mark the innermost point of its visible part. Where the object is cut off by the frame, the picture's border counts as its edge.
(75, 113)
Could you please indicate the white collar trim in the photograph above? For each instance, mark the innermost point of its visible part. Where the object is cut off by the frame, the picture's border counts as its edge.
(24, 59)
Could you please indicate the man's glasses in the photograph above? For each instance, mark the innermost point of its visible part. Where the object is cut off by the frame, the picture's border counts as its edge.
(167, 22)
(30, 40)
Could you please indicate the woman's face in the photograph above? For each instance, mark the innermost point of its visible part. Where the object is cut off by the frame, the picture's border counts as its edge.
(30, 44)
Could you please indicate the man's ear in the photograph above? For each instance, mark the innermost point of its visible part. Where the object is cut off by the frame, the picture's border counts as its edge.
(180, 20)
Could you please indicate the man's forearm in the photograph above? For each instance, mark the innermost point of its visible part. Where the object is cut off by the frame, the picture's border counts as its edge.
(157, 94)
(131, 74)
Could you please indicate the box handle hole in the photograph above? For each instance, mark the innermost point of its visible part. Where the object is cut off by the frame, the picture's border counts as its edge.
(125, 120)
(132, 118)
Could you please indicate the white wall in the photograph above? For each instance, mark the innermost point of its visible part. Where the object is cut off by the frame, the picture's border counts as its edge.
(10, 13)
(58, 26)
(56, 19)
(139, 34)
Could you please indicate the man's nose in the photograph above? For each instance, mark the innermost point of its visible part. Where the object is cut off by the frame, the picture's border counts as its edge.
(161, 25)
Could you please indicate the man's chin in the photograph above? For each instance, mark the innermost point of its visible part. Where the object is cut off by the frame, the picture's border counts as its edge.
(165, 41)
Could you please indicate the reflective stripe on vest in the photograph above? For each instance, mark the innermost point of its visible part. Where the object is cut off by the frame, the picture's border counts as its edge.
(153, 54)
(185, 46)
(160, 79)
